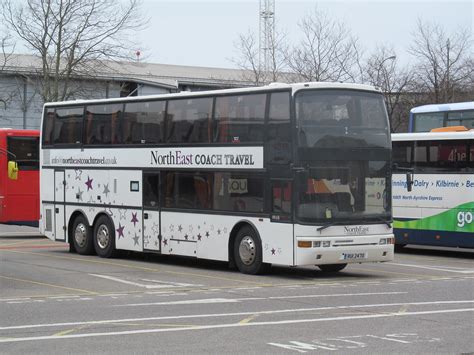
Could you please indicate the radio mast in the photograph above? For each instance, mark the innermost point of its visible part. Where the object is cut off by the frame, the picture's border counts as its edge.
(267, 33)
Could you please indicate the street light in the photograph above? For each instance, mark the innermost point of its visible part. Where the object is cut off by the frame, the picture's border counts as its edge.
(392, 57)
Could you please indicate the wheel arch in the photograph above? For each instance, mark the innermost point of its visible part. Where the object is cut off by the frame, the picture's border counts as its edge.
(233, 235)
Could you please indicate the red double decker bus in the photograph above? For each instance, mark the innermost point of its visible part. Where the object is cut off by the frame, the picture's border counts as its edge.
(19, 176)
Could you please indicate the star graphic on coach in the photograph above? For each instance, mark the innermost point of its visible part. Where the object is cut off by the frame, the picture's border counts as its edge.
(78, 174)
(89, 183)
(135, 239)
(120, 231)
(134, 218)
(106, 190)
(273, 251)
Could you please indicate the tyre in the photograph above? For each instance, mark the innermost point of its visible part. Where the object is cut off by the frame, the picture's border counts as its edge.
(248, 252)
(82, 236)
(104, 238)
(332, 267)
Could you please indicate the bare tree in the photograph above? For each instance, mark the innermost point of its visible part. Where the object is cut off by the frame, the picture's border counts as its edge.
(382, 71)
(327, 51)
(445, 65)
(73, 38)
(6, 47)
(247, 47)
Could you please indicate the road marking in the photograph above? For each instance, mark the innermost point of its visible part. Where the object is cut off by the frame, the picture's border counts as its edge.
(439, 268)
(49, 285)
(142, 268)
(233, 325)
(248, 319)
(163, 284)
(390, 339)
(34, 246)
(218, 315)
(237, 300)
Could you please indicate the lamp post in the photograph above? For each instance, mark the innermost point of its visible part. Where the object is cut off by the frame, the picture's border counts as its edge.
(392, 57)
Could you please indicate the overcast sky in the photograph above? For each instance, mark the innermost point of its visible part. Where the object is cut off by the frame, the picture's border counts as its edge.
(203, 33)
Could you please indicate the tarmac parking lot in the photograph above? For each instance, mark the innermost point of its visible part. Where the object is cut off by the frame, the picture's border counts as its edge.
(53, 301)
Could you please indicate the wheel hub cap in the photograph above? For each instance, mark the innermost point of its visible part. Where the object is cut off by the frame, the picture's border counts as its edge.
(103, 237)
(80, 235)
(247, 250)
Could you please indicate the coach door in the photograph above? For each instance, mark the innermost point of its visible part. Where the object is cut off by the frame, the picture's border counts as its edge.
(59, 207)
(151, 211)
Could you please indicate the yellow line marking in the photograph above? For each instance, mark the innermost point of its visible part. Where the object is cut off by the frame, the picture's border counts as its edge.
(50, 285)
(403, 308)
(69, 331)
(249, 319)
(424, 277)
(13, 244)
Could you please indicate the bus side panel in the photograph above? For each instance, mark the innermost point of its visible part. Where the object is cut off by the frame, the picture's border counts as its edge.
(277, 242)
(100, 191)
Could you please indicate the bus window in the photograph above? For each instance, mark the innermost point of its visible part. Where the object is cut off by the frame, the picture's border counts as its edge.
(240, 118)
(143, 122)
(278, 129)
(402, 154)
(424, 122)
(68, 125)
(281, 200)
(187, 190)
(26, 151)
(238, 192)
(48, 126)
(188, 121)
(461, 118)
(150, 190)
(448, 155)
(103, 124)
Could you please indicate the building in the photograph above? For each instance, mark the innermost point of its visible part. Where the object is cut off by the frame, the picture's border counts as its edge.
(21, 103)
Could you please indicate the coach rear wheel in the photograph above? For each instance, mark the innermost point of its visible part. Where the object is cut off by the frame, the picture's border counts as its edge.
(82, 236)
(248, 252)
(104, 238)
(332, 267)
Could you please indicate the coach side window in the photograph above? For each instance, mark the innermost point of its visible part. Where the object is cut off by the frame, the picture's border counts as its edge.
(143, 122)
(189, 120)
(103, 124)
(402, 154)
(278, 141)
(240, 119)
(239, 192)
(448, 155)
(68, 125)
(48, 126)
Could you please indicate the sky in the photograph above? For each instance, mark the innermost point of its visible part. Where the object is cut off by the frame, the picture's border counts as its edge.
(203, 33)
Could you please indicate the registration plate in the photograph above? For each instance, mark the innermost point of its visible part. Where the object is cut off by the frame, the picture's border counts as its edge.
(353, 256)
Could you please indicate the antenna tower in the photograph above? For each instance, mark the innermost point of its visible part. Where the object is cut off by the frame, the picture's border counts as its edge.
(267, 33)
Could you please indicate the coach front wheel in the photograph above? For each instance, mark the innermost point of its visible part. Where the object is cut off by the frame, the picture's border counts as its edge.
(104, 238)
(82, 236)
(248, 252)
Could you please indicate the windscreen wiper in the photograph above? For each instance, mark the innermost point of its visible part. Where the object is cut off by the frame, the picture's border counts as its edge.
(330, 224)
(387, 223)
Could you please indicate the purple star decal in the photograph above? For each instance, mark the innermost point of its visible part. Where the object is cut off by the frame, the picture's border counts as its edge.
(180, 228)
(89, 183)
(186, 237)
(134, 218)
(120, 231)
(207, 234)
(165, 241)
(273, 251)
(199, 236)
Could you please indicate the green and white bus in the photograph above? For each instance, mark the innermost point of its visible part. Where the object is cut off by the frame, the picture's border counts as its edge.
(439, 211)
(283, 174)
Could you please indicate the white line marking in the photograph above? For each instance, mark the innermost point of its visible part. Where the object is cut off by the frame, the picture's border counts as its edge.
(437, 268)
(216, 315)
(391, 339)
(147, 286)
(232, 325)
(236, 300)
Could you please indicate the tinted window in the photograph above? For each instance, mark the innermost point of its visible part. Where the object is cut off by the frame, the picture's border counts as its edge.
(25, 150)
(150, 190)
(461, 118)
(442, 155)
(103, 124)
(187, 190)
(68, 125)
(402, 154)
(278, 147)
(425, 122)
(188, 121)
(238, 192)
(281, 200)
(48, 126)
(143, 122)
(240, 118)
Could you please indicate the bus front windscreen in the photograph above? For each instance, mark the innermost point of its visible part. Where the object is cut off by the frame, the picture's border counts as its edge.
(323, 117)
(350, 192)
(344, 151)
